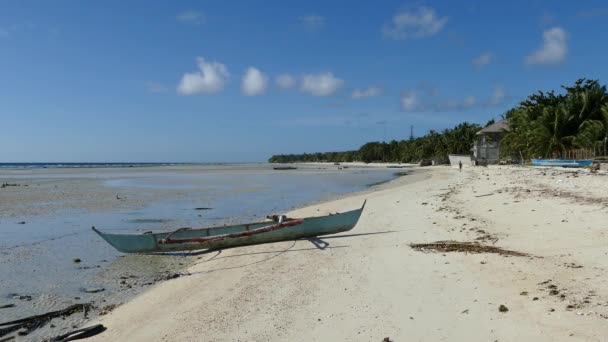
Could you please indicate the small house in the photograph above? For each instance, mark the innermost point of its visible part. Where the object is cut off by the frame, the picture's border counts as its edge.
(487, 147)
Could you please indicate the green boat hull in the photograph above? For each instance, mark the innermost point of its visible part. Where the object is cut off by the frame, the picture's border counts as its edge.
(310, 227)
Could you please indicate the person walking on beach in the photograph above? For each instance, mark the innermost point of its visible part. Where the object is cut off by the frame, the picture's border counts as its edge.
(460, 165)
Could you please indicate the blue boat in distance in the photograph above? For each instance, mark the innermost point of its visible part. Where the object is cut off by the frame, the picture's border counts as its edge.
(562, 162)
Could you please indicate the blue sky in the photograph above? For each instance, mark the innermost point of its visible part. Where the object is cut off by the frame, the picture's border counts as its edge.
(230, 81)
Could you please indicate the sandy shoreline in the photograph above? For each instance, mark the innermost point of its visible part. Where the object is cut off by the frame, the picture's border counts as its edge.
(368, 284)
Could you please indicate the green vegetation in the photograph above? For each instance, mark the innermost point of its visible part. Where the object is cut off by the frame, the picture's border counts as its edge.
(431, 146)
(543, 125)
(547, 124)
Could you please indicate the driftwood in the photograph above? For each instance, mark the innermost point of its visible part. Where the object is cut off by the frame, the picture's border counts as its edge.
(464, 247)
(80, 333)
(34, 322)
(484, 195)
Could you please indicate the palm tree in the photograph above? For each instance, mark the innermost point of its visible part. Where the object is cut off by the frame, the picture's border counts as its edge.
(546, 123)
(550, 133)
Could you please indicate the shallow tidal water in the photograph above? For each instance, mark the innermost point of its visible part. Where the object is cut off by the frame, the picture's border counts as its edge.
(50, 261)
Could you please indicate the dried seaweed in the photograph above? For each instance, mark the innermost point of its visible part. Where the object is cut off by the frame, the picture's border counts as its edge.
(463, 247)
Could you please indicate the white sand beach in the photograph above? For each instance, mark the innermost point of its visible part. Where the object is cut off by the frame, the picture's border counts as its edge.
(368, 284)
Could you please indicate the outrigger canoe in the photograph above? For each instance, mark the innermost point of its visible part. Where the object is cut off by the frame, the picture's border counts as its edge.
(187, 239)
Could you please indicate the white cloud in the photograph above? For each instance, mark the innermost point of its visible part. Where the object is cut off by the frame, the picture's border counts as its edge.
(482, 60)
(308, 120)
(285, 81)
(312, 22)
(155, 87)
(469, 101)
(553, 51)
(420, 23)
(498, 97)
(323, 84)
(423, 101)
(369, 92)
(410, 101)
(254, 82)
(448, 105)
(191, 17)
(211, 78)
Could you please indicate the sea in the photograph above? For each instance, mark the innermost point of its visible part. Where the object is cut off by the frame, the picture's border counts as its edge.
(83, 165)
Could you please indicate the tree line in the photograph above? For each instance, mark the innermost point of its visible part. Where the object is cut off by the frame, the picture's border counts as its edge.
(434, 145)
(549, 125)
(545, 124)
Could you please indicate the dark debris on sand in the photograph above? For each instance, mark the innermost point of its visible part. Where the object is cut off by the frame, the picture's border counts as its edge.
(463, 247)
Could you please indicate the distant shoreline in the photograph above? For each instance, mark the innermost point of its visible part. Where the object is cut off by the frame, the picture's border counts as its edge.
(359, 164)
(57, 165)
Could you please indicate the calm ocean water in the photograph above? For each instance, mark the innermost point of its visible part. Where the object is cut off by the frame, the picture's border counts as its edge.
(78, 165)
